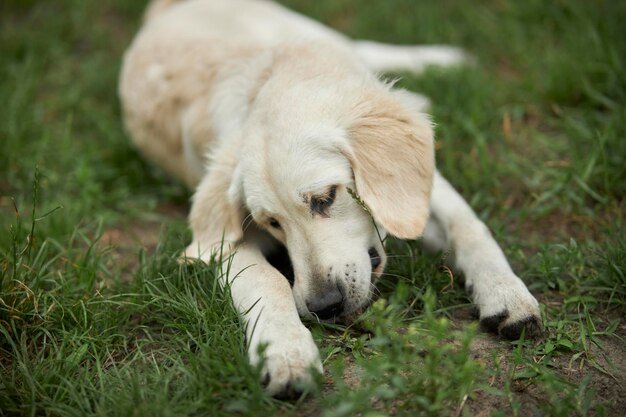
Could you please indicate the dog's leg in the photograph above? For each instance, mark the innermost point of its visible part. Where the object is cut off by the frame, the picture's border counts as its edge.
(264, 298)
(505, 305)
(381, 57)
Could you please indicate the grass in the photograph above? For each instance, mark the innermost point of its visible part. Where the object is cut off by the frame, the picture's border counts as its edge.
(98, 318)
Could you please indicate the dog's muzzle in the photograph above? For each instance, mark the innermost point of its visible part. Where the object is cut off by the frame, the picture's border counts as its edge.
(329, 302)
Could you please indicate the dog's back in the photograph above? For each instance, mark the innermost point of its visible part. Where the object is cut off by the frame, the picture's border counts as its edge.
(249, 21)
(183, 49)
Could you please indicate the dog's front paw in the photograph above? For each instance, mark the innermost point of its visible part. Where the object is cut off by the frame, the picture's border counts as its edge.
(508, 309)
(291, 360)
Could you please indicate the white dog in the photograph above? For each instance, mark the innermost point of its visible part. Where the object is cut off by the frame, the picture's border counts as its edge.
(287, 135)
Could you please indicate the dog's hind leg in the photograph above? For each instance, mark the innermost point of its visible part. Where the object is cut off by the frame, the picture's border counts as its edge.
(381, 57)
(505, 305)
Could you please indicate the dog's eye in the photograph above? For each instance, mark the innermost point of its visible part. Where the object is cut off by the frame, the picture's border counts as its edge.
(274, 223)
(320, 205)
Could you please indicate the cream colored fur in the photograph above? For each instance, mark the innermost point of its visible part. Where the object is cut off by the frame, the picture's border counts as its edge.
(269, 116)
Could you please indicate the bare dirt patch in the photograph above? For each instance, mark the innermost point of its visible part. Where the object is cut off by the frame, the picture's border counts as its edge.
(123, 242)
(560, 226)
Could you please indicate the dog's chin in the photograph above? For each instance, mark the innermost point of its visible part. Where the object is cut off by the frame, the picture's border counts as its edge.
(349, 318)
(352, 316)
(345, 318)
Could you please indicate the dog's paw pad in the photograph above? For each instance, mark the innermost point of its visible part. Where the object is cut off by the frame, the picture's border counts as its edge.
(292, 390)
(512, 329)
(531, 326)
(265, 381)
(492, 323)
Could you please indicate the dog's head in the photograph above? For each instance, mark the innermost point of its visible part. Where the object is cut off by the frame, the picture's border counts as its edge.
(329, 184)
(331, 192)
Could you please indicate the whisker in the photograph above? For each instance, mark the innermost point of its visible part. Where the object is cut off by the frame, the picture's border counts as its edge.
(247, 221)
(400, 256)
(389, 274)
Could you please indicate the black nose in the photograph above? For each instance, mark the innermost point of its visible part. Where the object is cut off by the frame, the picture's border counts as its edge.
(328, 303)
(374, 258)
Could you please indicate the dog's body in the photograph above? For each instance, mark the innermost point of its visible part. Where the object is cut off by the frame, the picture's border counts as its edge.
(268, 114)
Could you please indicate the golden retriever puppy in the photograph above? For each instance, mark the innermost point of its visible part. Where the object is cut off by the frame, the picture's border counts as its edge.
(288, 137)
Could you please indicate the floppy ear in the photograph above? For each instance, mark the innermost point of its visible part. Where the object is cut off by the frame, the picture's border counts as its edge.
(216, 212)
(392, 157)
